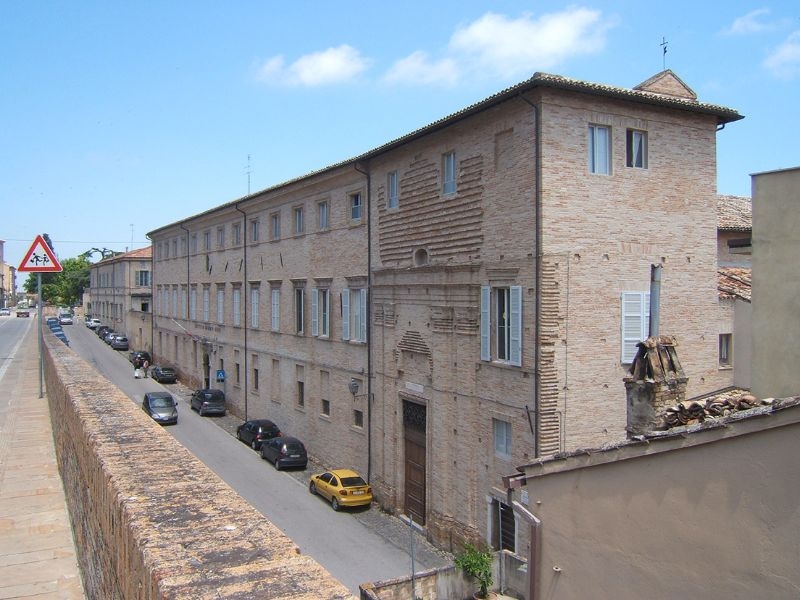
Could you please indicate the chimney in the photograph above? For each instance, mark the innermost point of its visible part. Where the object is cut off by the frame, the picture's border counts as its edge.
(654, 382)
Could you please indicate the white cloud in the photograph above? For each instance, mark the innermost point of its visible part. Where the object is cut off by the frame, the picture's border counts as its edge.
(495, 46)
(785, 61)
(750, 23)
(418, 68)
(331, 66)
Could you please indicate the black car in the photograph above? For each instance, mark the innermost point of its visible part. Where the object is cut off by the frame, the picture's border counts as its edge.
(144, 355)
(208, 402)
(100, 331)
(257, 431)
(161, 406)
(163, 374)
(285, 452)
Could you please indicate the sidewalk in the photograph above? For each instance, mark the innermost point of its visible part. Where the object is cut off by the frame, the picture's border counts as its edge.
(37, 550)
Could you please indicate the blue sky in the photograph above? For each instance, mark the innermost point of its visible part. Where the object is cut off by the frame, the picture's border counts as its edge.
(121, 117)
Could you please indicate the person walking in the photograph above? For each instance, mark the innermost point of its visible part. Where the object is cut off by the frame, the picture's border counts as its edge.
(145, 367)
(137, 365)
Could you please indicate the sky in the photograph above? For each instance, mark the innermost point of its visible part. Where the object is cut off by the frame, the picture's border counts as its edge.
(117, 118)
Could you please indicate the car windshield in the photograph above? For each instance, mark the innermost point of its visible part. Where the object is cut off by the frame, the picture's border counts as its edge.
(352, 481)
(214, 395)
(293, 448)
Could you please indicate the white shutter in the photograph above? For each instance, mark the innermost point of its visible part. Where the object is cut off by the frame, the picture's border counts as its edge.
(486, 297)
(314, 312)
(362, 330)
(345, 314)
(635, 322)
(275, 317)
(516, 326)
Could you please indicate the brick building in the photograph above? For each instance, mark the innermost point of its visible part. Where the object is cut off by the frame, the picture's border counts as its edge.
(463, 299)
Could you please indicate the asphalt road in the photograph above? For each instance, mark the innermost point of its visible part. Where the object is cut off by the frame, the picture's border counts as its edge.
(355, 546)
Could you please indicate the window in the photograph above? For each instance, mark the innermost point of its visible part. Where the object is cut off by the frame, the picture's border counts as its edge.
(275, 324)
(301, 393)
(358, 418)
(322, 216)
(220, 305)
(636, 148)
(354, 315)
(193, 303)
(725, 349)
(635, 322)
(449, 173)
(501, 324)
(355, 206)
(392, 200)
(275, 226)
(326, 407)
(299, 310)
(255, 379)
(175, 248)
(599, 149)
(320, 312)
(220, 238)
(206, 303)
(254, 230)
(299, 220)
(206, 240)
(143, 278)
(236, 233)
(237, 302)
(502, 438)
(184, 302)
(255, 294)
(193, 243)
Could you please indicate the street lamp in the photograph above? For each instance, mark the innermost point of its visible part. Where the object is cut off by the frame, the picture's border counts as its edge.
(353, 386)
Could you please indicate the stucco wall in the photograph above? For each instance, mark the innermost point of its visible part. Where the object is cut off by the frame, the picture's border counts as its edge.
(776, 283)
(151, 521)
(713, 514)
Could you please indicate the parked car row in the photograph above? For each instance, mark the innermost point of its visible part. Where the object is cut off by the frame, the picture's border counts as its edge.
(265, 436)
(5, 312)
(54, 326)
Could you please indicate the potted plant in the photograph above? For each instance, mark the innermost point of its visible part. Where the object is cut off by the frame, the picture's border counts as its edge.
(478, 564)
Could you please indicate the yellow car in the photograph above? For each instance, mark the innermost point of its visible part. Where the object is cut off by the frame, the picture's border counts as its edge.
(341, 487)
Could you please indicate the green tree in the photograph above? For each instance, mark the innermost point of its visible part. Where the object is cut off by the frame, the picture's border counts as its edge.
(64, 288)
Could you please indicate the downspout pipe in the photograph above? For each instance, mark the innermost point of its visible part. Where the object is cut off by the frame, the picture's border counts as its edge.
(368, 201)
(152, 297)
(537, 196)
(188, 258)
(244, 288)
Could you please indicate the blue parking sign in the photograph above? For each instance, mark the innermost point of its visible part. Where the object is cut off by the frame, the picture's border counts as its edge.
(220, 376)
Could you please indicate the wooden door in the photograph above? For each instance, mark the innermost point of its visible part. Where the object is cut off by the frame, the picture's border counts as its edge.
(414, 425)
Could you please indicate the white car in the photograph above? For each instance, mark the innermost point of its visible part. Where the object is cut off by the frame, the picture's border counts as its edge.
(65, 319)
(93, 323)
(4, 312)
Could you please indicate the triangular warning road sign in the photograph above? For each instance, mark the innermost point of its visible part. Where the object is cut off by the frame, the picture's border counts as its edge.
(39, 259)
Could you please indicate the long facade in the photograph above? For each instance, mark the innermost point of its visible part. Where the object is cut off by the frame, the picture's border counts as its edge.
(463, 299)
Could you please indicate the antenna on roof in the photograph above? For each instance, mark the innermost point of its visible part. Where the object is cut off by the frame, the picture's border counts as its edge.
(663, 45)
(248, 171)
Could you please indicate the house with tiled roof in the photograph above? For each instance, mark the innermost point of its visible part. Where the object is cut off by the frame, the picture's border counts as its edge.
(734, 273)
(120, 295)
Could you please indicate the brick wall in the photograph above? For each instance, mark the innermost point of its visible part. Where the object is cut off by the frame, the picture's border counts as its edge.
(151, 521)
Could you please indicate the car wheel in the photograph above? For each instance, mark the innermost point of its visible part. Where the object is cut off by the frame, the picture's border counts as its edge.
(277, 465)
(200, 411)
(335, 503)
(312, 488)
(239, 435)
(262, 454)
(254, 445)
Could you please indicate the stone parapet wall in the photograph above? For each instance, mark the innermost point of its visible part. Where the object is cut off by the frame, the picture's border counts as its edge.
(151, 521)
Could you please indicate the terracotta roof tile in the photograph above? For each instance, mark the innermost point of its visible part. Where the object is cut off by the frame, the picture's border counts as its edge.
(734, 282)
(734, 213)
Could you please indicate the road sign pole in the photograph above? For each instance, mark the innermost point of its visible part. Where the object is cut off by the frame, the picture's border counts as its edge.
(39, 327)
